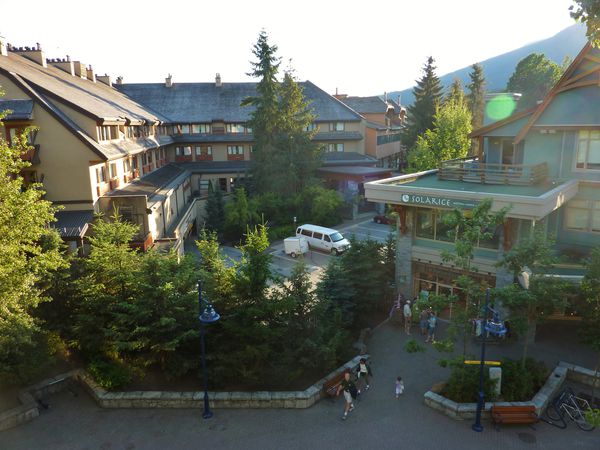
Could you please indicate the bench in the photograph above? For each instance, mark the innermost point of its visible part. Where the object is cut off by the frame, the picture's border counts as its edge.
(331, 386)
(514, 414)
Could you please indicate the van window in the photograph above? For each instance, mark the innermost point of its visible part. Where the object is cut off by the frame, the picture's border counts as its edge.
(298, 230)
(336, 237)
(318, 235)
(307, 233)
(327, 239)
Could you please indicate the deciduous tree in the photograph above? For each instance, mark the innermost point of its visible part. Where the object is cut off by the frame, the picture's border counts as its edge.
(588, 12)
(533, 77)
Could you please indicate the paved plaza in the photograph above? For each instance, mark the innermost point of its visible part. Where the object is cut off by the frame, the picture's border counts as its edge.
(379, 421)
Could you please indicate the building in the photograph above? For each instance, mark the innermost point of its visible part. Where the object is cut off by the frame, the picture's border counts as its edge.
(543, 163)
(151, 150)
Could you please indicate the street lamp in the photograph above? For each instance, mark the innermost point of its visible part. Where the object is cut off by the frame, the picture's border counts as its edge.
(494, 327)
(207, 315)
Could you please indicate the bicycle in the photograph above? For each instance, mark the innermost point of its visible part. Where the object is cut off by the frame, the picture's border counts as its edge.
(567, 404)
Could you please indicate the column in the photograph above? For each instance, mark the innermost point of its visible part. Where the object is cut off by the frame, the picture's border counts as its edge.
(404, 225)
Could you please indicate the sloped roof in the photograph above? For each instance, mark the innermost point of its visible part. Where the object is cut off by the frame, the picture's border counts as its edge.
(19, 109)
(72, 223)
(150, 184)
(93, 99)
(366, 105)
(347, 158)
(206, 102)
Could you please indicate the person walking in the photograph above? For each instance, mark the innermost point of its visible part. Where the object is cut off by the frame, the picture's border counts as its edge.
(407, 317)
(364, 374)
(399, 387)
(431, 325)
(423, 321)
(348, 387)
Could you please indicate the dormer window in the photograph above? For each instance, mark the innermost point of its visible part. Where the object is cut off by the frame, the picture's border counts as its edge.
(311, 127)
(235, 128)
(336, 126)
(201, 128)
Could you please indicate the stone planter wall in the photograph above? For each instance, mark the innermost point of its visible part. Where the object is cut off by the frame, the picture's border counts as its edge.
(258, 399)
(29, 400)
(581, 374)
(466, 411)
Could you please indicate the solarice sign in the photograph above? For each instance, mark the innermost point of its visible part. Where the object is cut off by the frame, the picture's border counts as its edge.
(441, 202)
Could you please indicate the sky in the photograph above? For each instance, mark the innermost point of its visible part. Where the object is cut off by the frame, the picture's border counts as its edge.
(357, 47)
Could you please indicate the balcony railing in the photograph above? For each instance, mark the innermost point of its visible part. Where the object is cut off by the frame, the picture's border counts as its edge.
(473, 171)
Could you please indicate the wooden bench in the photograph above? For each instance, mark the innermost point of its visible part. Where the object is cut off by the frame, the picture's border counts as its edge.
(514, 414)
(331, 386)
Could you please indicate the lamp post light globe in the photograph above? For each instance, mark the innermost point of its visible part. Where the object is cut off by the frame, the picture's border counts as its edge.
(207, 315)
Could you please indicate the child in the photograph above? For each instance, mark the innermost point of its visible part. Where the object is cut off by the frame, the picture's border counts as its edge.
(432, 323)
(364, 373)
(399, 387)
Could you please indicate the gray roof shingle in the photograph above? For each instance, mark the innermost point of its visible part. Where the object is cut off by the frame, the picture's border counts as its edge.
(366, 105)
(205, 102)
(20, 109)
(72, 223)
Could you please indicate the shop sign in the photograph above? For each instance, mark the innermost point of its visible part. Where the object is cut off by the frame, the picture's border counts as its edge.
(442, 202)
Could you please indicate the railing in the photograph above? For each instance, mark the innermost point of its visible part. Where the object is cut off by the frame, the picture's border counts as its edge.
(473, 171)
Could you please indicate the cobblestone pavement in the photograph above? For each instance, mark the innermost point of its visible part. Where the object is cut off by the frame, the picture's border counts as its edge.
(378, 422)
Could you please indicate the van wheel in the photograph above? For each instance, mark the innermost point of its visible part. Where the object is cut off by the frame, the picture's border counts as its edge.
(335, 251)
(293, 254)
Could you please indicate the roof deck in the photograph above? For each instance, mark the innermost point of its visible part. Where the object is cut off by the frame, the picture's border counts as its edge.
(473, 171)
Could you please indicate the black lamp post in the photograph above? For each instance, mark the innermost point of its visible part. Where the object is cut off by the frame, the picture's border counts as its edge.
(207, 315)
(495, 327)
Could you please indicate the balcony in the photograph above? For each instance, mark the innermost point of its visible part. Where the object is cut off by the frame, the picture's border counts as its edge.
(473, 171)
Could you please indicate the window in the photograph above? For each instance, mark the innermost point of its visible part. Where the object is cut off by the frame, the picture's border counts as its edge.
(336, 126)
(183, 129)
(307, 233)
(235, 149)
(311, 127)
(126, 165)
(103, 133)
(203, 151)
(583, 215)
(318, 235)
(223, 184)
(198, 128)
(430, 224)
(204, 185)
(101, 175)
(248, 129)
(149, 157)
(588, 150)
(335, 147)
(327, 239)
(235, 128)
(113, 170)
(187, 151)
(126, 213)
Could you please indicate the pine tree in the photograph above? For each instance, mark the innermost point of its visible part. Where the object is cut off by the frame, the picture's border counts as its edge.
(265, 119)
(214, 209)
(476, 95)
(455, 93)
(428, 95)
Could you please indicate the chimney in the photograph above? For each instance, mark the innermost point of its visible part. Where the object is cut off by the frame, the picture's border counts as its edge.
(64, 64)
(169, 81)
(90, 74)
(34, 54)
(119, 80)
(79, 69)
(3, 46)
(218, 80)
(104, 79)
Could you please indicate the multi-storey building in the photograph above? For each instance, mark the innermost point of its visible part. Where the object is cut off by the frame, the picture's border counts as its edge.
(150, 150)
(543, 163)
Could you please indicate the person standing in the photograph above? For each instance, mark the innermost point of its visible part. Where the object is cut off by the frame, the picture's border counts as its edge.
(407, 317)
(423, 321)
(364, 374)
(432, 324)
(399, 387)
(348, 387)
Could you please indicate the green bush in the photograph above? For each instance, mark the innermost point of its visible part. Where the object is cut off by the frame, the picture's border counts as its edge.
(110, 374)
(463, 384)
(521, 383)
(281, 232)
(412, 346)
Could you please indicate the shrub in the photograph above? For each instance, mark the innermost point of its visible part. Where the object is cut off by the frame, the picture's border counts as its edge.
(110, 374)
(521, 383)
(463, 384)
(412, 346)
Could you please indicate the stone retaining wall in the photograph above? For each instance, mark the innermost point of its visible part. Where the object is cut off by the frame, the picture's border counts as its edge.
(467, 411)
(581, 374)
(259, 399)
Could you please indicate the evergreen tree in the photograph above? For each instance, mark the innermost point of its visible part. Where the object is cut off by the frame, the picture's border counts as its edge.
(265, 119)
(214, 209)
(456, 93)
(476, 95)
(448, 138)
(428, 95)
(533, 77)
(240, 213)
(27, 259)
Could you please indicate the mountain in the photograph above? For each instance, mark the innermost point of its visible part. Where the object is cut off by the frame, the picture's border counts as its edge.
(497, 70)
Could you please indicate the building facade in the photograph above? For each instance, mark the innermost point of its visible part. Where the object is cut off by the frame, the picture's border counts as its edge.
(543, 164)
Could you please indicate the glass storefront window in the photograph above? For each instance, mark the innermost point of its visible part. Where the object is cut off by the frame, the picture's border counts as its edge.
(425, 228)
(443, 232)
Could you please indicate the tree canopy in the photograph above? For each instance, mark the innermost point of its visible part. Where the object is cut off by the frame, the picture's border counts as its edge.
(533, 77)
(428, 95)
(476, 95)
(588, 12)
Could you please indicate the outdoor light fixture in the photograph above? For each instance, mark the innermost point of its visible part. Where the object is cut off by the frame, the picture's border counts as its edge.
(207, 315)
(496, 328)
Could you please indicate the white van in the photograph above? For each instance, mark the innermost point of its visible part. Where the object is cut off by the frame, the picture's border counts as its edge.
(323, 238)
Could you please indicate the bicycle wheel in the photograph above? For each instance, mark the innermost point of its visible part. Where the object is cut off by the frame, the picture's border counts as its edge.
(583, 424)
(553, 412)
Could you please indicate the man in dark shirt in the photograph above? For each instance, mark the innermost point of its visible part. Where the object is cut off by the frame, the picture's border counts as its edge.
(349, 388)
